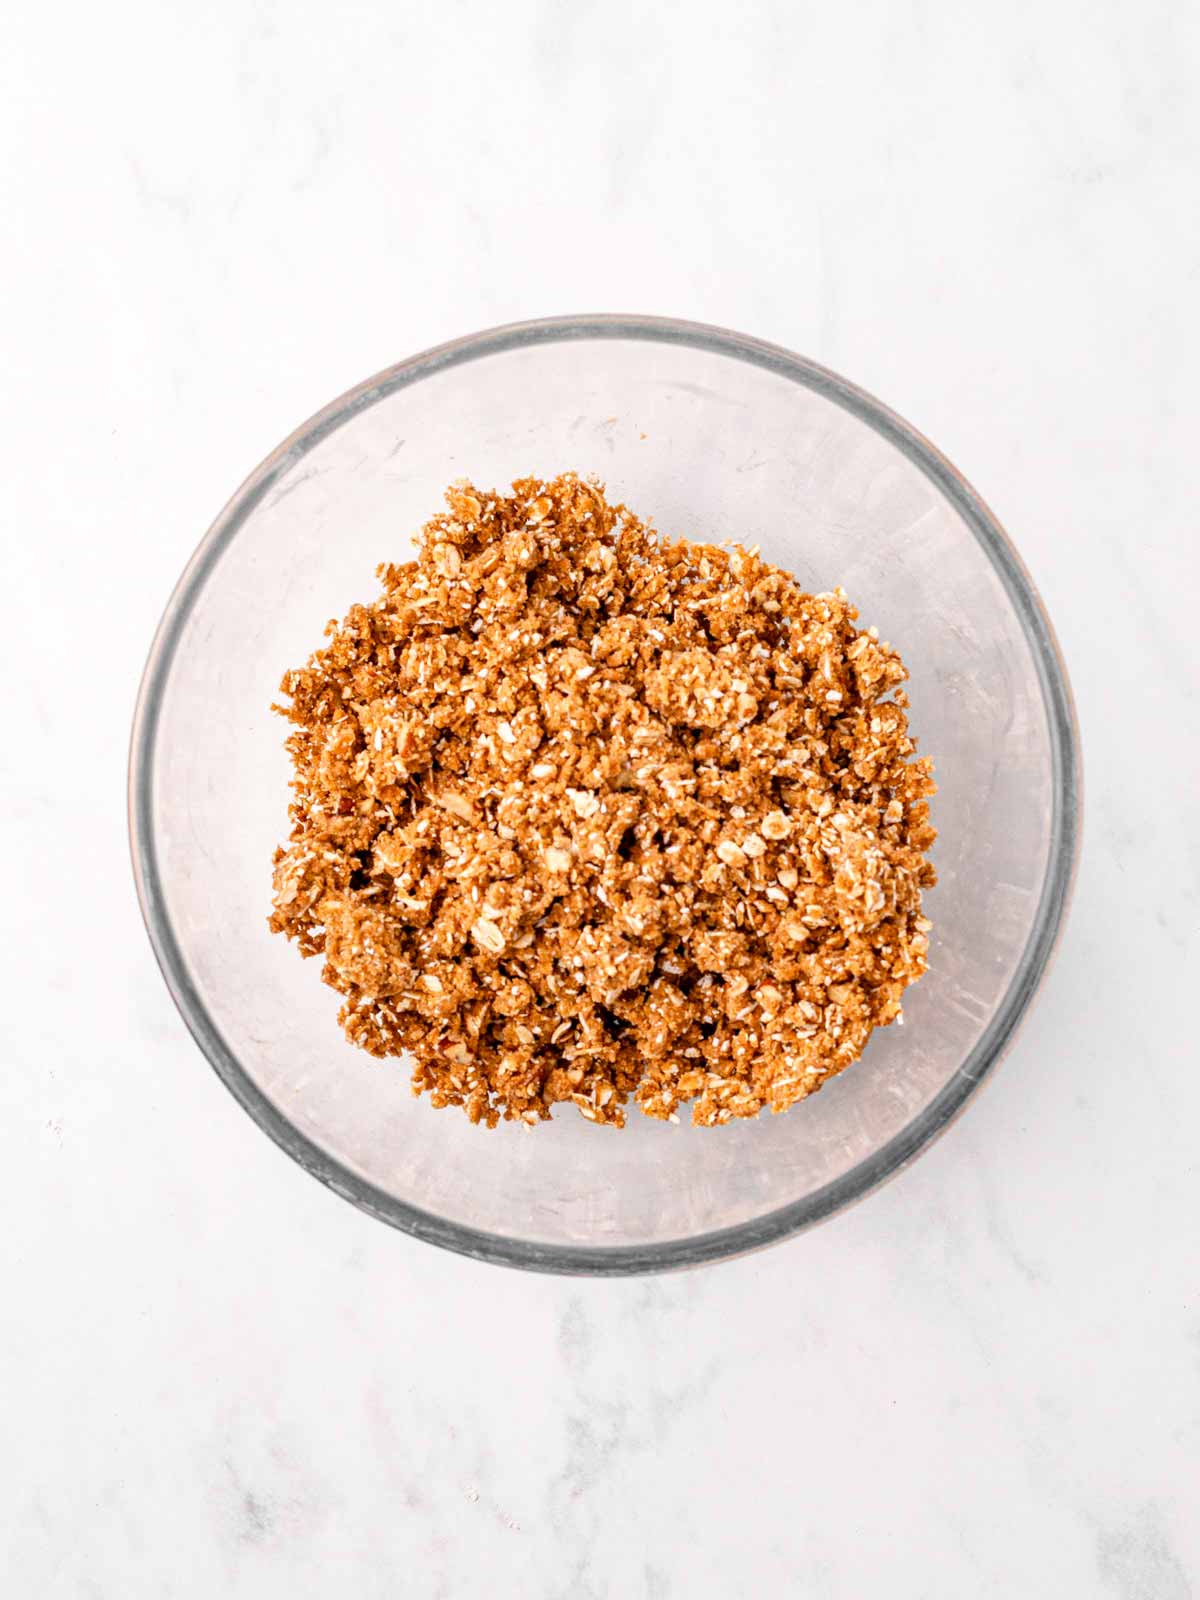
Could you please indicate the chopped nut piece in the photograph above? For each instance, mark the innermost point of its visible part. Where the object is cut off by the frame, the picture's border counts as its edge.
(555, 794)
(456, 805)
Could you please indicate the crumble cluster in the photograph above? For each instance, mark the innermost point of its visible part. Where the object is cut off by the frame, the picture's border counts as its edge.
(586, 814)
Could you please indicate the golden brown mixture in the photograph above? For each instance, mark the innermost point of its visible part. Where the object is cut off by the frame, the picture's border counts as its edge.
(582, 813)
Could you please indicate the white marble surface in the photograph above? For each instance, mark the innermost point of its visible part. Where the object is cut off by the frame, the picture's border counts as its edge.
(218, 1378)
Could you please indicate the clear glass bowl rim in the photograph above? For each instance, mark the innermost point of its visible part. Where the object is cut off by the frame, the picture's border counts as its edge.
(617, 1260)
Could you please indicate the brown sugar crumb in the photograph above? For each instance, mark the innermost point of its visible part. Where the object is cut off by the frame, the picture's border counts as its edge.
(583, 813)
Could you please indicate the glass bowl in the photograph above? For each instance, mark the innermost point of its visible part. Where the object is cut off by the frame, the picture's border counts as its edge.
(713, 435)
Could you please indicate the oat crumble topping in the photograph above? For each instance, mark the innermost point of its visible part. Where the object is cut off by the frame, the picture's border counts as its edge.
(584, 813)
